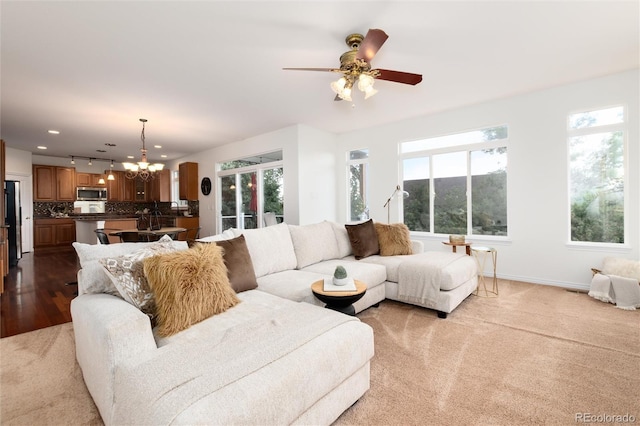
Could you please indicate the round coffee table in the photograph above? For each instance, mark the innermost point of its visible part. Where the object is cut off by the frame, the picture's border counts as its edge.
(341, 301)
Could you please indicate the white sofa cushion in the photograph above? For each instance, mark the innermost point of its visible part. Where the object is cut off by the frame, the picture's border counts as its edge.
(314, 243)
(271, 248)
(292, 284)
(342, 238)
(369, 273)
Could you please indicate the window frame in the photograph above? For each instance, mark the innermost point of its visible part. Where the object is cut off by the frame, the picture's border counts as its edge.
(467, 149)
(591, 130)
(349, 164)
(258, 169)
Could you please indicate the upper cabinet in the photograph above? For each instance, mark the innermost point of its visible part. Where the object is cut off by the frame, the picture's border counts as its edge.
(51, 183)
(188, 181)
(160, 186)
(90, 179)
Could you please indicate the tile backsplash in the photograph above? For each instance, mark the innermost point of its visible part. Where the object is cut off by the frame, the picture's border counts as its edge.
(49, 209)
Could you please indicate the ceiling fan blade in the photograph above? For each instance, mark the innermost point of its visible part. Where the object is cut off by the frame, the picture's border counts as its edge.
(371, 44)
(399, 77)
(312, 69)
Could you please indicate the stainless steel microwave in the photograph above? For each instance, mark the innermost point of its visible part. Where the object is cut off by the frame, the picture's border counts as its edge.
(84, 193)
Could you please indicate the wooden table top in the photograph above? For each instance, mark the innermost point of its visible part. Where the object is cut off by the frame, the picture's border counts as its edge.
(318, 287)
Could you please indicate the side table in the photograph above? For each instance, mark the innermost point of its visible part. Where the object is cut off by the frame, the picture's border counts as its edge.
(341, 301)
(454, 246)
(481, 254)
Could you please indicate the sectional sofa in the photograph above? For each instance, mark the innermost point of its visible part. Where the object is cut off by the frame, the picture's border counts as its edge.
(273, 358)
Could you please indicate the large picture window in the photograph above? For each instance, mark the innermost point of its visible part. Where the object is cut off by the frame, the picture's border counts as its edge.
(596, 175)
(457, 184)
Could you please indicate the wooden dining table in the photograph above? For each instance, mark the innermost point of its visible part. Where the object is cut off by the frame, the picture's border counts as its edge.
(172, 231)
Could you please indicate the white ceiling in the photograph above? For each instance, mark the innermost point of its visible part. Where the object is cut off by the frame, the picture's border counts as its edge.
(210, 72)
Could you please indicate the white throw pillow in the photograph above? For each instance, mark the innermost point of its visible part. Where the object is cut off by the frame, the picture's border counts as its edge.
(271, 249)
(314, 243)
(94, 278)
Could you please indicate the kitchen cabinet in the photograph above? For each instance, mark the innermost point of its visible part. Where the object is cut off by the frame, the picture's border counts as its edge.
(188, 177)
(53, 233)
(66, 183)
(115, 187)
(117, 225)
(51, 183)
(91, 179)
(160, 186)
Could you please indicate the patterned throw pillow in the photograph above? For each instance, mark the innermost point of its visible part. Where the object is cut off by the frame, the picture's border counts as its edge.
(127, 274)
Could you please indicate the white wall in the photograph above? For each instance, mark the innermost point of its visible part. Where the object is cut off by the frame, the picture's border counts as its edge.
(537, 249)
(18, 162)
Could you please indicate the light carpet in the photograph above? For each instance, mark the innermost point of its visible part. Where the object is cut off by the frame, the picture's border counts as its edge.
(533, 355)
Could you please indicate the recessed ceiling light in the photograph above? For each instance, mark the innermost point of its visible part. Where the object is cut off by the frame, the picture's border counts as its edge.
(130, 156)
(157, 146)
(163, 156)
(42, 147)
(54, 132)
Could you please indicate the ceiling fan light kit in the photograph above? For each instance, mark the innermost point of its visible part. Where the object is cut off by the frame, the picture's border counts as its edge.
(355, 67)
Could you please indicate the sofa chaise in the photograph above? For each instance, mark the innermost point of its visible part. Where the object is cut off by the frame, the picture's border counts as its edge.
(275, 345)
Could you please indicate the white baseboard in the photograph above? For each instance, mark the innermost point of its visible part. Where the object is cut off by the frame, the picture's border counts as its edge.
(563, 284)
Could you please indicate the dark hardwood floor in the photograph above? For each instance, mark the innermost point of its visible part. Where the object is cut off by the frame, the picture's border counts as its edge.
(35, 294)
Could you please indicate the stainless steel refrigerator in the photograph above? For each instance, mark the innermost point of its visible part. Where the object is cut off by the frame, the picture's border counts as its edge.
(13, 219)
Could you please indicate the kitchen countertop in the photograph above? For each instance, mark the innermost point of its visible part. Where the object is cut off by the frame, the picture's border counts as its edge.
(104, 216)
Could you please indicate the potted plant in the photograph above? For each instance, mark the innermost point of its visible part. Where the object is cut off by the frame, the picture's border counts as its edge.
(340, 276)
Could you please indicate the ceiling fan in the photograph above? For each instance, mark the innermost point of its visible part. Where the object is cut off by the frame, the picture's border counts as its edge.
(355, 66)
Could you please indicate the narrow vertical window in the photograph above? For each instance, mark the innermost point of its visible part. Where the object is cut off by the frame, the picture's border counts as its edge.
(597, 176)
(358, 165)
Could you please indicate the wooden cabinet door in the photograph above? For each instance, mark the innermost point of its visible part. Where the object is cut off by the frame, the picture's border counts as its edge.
(160, 187)
(65, 233)
(188, 181)
(95, 180)
(115, 187)
(66, 180)
(129, 189)
(44, 183)
(83, 179)
(43, 235)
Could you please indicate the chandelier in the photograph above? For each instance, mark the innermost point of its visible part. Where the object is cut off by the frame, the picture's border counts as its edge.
(142, 169)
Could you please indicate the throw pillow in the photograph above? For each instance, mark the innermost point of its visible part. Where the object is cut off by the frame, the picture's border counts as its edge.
(394, 239)
(189, 286)
(127, 275)
(363, 239)
(239, 265)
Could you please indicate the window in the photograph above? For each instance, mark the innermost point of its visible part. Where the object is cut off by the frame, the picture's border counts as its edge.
(457, 184)
(358, 165)
(175, 190)
(596, 175)
(251, 191)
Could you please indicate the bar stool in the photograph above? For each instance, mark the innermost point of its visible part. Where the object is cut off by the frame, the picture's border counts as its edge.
(481, 254)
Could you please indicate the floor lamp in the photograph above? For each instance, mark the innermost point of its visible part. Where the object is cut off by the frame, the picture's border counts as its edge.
(396, 193)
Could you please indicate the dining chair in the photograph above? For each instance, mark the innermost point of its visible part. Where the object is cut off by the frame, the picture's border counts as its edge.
(102, 236)
(190, 235)
(129, 237)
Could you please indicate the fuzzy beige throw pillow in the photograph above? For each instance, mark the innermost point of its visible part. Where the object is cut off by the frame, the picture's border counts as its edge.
(189, 286)
(394, 239)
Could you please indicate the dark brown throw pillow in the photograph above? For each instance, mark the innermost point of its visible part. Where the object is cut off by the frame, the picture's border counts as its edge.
(239, 265)
(363, 239)
(394, 239)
